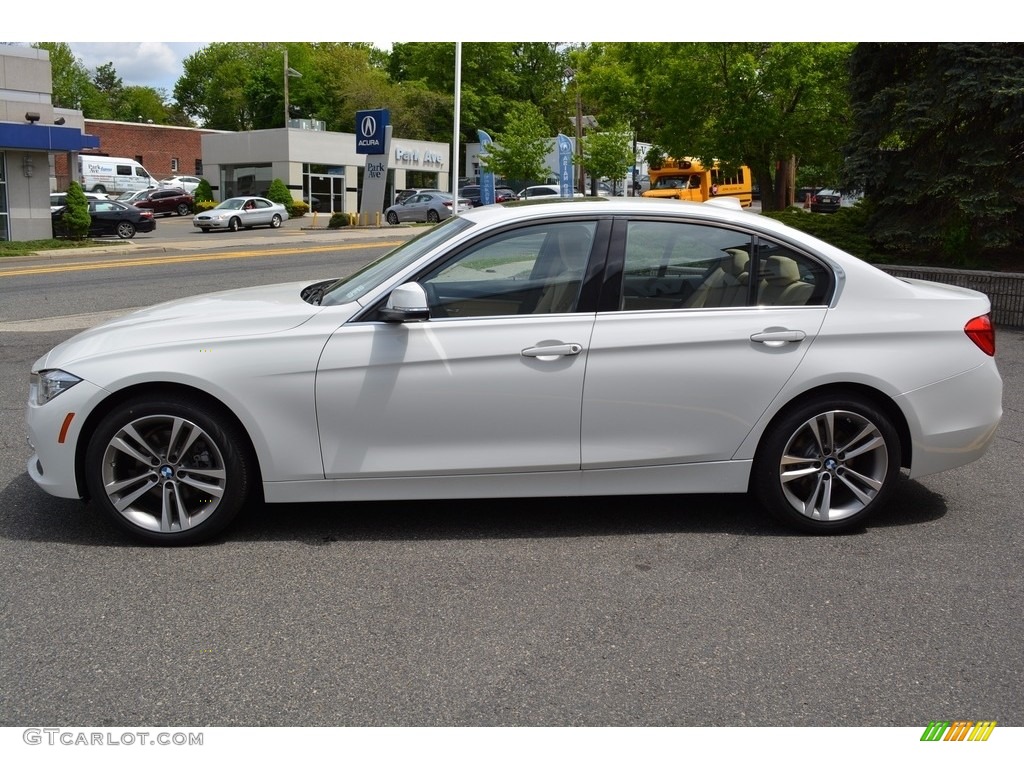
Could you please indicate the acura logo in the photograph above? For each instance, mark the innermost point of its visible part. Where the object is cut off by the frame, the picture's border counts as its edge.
(369, 125)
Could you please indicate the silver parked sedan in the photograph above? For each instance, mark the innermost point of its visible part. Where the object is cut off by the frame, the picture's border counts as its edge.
(606, 347)
(237, 213)
(430, 206)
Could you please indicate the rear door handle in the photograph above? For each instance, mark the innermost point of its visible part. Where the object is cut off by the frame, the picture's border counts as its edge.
(778, 338)
(553, 351)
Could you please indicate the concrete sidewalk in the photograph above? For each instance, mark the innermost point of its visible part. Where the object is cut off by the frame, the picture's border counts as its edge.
(215, 240)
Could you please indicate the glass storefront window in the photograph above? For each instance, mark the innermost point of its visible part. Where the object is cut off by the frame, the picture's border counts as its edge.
(241, 180)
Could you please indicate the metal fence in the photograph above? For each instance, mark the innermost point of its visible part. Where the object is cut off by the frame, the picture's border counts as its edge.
(1004, 289)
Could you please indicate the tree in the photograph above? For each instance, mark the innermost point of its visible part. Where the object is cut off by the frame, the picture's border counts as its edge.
(70, 78)
(203, 193)
(518, 152)
(608, 154)
(76, 218)
(938, 144)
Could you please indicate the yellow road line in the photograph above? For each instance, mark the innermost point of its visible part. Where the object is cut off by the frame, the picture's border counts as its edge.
(180, 259)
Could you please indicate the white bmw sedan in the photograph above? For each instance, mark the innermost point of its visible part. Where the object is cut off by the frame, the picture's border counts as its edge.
(584, 348)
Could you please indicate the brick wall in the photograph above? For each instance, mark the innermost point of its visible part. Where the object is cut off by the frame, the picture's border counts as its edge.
(154, 145)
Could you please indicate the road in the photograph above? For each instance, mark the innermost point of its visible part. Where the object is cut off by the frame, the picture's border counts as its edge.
(659, 611)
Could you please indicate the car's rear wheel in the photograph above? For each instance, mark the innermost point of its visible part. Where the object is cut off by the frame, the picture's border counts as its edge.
(827, 464)
(432, 217)
(168, 469)
(125, 230)
(392, 217)
(99, 189)
(184, 209)
(234, 225)
(275, 222)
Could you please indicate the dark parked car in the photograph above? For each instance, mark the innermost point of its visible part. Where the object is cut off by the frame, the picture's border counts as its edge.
(169, 200)
(110, 217)
(501, 194)
(826, 201)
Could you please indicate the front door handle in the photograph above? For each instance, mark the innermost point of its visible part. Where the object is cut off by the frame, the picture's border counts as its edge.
(553, 351)
(778, 338)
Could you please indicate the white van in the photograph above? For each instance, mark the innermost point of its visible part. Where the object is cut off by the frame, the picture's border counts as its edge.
(113, 175)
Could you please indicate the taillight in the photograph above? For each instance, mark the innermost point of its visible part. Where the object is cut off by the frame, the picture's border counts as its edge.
(448, 204)
(981, 331)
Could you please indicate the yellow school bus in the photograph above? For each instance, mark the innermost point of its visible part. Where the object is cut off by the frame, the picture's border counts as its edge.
(687, 179)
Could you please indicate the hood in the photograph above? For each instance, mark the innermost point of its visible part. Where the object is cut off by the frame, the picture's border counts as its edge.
(226, 314)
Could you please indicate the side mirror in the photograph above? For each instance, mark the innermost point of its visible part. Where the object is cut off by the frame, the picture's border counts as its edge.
(406, 304)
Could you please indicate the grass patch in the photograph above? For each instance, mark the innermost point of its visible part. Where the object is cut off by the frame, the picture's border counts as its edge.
(26, 247)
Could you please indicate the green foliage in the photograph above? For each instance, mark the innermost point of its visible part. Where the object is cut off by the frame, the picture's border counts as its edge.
(607, 154)
(203, 193)
(847, 229)
(76, 218)
(298, 209)
(519, 151)
(339, 220)
(201, 206)
(938, 143)
(70, 78)
(279, 193)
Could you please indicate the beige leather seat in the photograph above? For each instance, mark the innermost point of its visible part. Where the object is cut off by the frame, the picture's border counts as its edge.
(726, 286)
(781, 284)
(564, 260)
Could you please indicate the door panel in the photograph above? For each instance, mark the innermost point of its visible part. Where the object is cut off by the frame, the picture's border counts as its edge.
(452, 396)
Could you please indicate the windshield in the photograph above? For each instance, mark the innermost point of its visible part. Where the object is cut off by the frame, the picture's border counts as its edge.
(233, 203)
(373, 274)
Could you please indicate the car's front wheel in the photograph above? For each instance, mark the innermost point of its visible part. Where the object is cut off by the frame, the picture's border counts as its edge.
(392, 217)
(234, 225)
(125, 230)
(168, 469)
(827, 464)
(275, 222)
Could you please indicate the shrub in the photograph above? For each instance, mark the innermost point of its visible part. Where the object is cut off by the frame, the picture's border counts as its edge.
(76, 218)
(297, 209)
(279, 193)
(338, 220)
(203, 194)
(201, 206)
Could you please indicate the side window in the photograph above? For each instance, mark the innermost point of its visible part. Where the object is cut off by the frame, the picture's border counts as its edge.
(672, 265)
(532, 270)
(124, 170)
(786, 278)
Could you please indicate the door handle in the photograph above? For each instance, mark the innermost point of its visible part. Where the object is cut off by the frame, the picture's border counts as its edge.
(553, 351)
(778, 338)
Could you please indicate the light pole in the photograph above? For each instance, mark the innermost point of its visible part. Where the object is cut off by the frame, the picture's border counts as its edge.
(288, 72)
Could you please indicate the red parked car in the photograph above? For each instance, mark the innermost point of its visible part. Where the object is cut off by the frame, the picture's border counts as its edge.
(169, 200)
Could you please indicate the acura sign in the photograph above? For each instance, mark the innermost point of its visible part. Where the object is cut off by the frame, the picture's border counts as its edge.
(370, 126)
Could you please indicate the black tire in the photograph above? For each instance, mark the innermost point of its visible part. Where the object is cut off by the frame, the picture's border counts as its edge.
(843, 458)
(275, 221)
(125, 230)
(184, 209)
(169, 499)
(100, 189)
(392, 217)
(432, 217)
(234, 224)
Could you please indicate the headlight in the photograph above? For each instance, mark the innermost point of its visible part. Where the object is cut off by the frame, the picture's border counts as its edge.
(46, 385)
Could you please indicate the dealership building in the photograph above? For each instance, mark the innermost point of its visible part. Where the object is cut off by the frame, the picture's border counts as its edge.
(32, 133)
(316, 165)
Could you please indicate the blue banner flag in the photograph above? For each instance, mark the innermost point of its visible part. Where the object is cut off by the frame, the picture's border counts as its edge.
(486, 177)
(565, 169)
